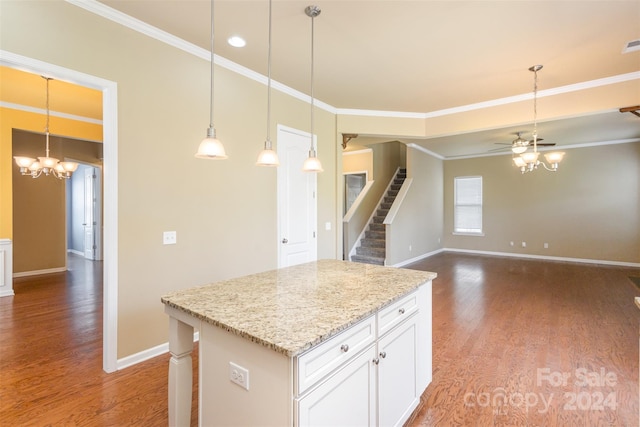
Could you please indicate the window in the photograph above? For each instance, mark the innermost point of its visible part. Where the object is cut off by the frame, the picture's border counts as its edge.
(467, 212)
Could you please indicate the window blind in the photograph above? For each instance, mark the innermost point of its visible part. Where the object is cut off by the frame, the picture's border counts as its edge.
(468, 204)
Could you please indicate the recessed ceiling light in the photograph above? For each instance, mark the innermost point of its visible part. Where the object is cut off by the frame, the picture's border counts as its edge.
(236, 41)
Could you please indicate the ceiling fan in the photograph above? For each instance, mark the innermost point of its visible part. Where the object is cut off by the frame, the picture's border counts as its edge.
(520, 145)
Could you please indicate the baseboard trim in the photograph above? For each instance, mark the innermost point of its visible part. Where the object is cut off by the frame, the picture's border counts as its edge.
(73, 251)
(147, 354)
(418, 258)
(545, 257)
(39, 272)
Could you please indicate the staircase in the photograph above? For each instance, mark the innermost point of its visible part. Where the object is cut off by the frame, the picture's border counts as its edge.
(371, 249)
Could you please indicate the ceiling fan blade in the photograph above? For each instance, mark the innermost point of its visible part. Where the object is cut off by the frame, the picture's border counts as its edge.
(546, 144)
(500, 149)
(502, 143)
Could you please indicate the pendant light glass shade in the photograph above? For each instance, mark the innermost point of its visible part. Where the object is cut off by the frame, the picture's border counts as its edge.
(312, 163)
(268, 157)
(211, 147)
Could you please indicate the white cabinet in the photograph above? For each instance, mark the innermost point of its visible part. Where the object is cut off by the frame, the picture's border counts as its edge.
(379, 386)
(398, 393)
(347, 398)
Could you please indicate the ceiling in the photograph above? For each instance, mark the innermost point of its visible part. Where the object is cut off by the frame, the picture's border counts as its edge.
(428, 56)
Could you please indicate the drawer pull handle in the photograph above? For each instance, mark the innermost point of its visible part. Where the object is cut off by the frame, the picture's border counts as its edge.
(344, 348)
(376, 361)
(383, 354)
(401, 311)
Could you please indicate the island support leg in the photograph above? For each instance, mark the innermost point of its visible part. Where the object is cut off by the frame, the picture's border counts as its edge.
(180, 373)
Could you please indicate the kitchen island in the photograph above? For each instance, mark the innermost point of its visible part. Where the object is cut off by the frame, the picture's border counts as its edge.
(323, 343)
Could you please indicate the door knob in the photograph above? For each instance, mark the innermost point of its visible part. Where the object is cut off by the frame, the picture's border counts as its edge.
(285, 240)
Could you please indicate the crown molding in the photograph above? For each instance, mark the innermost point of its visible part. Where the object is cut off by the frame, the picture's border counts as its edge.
(134, 24)
(107, 12)
(35, 110)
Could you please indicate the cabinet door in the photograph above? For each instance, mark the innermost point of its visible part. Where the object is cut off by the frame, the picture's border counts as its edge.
(397, 374)
(347, 398)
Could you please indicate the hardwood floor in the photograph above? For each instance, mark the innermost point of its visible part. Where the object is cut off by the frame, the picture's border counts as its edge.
(504, 331)
(51, 358)
(531, 343)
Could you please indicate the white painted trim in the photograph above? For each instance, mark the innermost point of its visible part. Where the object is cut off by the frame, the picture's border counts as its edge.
(543, 149)
(363, 151)
(544, 257)
(75, 252)
(418, 258)
(397, 202)
(100, 9)
(35, 110)
(356, 203)
(496, 102)
(424, 150)
(149, 353)
(39, 272)
(110, 140)
(134, 24)
(523, 256)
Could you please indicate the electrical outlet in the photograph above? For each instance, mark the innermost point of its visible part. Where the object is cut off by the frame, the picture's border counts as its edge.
(169, 238)
(524, 244)
(410, 248)
(239, 375)
(546, 246)
(510, 243)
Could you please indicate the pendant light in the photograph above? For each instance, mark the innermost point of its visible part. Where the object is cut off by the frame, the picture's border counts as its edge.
(46, 165)
(268, 157)
(211, 147)
(312, 163)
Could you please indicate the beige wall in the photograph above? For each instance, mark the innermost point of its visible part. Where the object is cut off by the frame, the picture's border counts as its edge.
(589, 209)
(417, 227)
(224, 212)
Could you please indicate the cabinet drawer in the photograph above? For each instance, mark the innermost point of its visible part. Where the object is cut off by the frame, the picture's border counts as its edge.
(395, 313)
(333, 353)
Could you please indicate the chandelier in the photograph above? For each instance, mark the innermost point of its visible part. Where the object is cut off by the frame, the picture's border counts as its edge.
(527, 161)
(45, 165)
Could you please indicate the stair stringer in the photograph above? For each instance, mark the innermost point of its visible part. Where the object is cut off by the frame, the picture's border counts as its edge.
(395, 207)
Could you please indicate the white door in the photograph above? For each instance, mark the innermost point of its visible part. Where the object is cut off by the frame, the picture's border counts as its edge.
(90, 208)
(296, 200)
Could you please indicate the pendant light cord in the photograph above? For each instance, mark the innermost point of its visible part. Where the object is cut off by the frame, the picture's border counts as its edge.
(46, 128)
(212, 61)
(535, 110)
(312, 56)
(269, 84)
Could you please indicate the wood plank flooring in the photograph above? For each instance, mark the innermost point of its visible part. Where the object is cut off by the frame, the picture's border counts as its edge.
(505, 331)
(531, 343)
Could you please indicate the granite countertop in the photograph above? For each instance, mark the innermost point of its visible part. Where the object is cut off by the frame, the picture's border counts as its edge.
(292, 309)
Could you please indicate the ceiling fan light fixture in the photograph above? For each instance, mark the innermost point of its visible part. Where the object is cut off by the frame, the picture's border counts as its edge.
(519, 149)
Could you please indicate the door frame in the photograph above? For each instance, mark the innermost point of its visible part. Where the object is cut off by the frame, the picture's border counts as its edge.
(110, 179)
